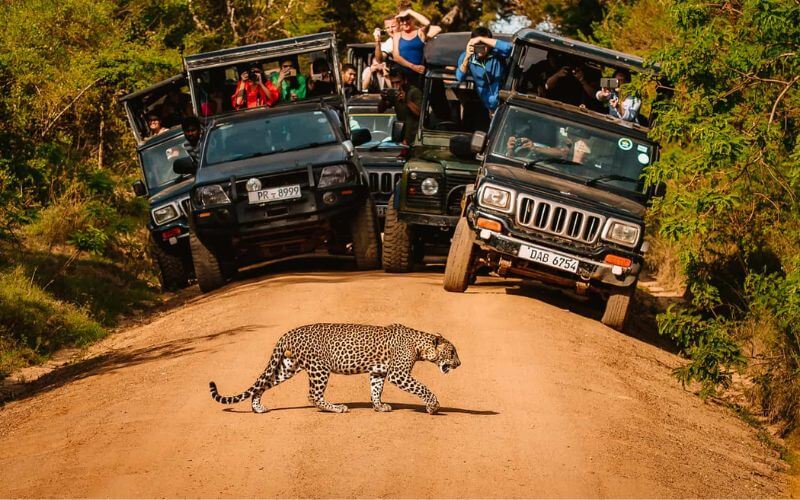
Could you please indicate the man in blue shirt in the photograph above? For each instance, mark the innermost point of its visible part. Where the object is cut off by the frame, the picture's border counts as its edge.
(486, 59)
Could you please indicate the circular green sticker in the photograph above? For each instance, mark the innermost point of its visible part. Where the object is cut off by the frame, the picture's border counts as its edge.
(625, 144)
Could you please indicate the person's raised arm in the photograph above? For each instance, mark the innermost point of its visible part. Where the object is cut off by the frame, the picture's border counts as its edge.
(378, 52)
(426, 30)
(463, 63)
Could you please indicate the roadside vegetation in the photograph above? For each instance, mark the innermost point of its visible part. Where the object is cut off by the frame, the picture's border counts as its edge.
(73, 256)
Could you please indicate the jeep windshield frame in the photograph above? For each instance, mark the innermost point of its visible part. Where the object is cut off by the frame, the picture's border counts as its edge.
(242, 137)
(574, 144)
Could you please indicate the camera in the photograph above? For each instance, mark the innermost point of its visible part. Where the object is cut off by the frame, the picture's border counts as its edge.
(481, 49)
(389, 94)
(253, 75)
(609, 83)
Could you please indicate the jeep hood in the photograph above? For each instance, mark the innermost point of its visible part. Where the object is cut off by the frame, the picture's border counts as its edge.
(171, 192)
(443, 157)
(273, 163)
(565, 189)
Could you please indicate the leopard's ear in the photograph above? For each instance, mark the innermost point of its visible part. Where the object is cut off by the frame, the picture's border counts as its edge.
(437, 339)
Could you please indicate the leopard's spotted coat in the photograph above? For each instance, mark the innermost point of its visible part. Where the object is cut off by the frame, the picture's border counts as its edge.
(385, 352)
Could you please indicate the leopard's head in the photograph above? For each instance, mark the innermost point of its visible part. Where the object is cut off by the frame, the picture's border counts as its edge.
(440, 351)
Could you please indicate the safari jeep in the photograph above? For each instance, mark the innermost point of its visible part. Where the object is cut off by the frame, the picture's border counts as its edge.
(426, 202)
(167, 192)
(279, 181)
(559, 197)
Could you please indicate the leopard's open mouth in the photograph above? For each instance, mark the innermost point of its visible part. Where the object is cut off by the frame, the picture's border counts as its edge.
(445, 367)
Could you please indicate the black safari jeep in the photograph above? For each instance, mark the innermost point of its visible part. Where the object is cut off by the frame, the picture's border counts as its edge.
(382, 157)
(278, 181)
(426, 202)
(168, 192)
(559, 197)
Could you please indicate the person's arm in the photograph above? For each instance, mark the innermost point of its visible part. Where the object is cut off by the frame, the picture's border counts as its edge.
(553, 80)
(272, 93)
(500, 48)
(414, 101)
(237, 100)
(300, 92)
(629, 113)
(463, 64)
(403, 61)
(424, 23)
(378, 52)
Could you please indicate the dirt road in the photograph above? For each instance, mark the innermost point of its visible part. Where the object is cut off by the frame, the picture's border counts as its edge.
(547, 402)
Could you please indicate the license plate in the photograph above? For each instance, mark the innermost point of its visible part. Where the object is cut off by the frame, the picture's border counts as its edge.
(381, 210)
(548, 258)
(275, 194)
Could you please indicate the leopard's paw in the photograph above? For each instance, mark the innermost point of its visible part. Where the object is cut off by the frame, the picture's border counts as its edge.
(383, 407)
(340, 408)
(432, 408)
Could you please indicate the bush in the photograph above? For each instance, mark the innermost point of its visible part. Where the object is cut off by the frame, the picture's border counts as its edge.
(33, 324)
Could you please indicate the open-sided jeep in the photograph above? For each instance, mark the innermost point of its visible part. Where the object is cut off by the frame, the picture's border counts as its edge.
(279, 181)
(560, 196)
(382, 157)
(167, 192)
(426, 203)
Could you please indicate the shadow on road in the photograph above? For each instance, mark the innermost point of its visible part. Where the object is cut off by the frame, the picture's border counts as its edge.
(112, 361)
(368, 406)
(642, 323)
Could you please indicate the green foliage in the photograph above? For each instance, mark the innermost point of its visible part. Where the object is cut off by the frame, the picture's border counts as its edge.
(731, 160)
(34, 324)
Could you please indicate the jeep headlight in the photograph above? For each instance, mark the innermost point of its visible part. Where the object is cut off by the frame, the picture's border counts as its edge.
(430, 186)
(165, 213)
(333, 175)
(621, 232)
(209, 196)
(496, 198)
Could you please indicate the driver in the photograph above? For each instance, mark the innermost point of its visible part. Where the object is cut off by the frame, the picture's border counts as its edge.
(571, 145)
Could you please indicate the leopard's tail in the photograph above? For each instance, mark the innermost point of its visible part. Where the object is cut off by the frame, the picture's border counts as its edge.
(267, 375)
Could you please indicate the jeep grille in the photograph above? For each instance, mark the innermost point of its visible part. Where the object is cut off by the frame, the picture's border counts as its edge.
(383, 181)
(561, 220)
(455, 184)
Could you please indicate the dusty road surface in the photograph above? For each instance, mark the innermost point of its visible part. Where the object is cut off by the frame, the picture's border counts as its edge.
(548, 402)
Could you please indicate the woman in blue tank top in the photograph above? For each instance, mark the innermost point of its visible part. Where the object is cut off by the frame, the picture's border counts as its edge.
(409, 41)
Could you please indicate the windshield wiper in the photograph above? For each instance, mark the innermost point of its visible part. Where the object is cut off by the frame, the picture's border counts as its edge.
(551, 159)
(610, 177)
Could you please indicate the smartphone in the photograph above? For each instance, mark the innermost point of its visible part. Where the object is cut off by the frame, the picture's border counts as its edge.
(609, 83)
(292, 72)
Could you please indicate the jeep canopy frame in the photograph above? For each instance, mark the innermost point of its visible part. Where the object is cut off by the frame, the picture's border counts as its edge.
(200, 65)
(138, 104)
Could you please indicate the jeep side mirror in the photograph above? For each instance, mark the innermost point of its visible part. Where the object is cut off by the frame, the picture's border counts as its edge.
(398, 132)
(139, 189)
(478, 142)
(461, 146)
(184, 166)
(360, 136)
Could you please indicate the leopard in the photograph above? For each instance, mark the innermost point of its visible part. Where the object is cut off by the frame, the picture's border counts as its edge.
(385, 352)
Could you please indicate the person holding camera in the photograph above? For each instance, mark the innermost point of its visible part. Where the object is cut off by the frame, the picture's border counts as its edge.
(289, 82)
(375, 78)
(252, 91)
(486, 59)
(406, 100)
(625, 108)
(384, 49)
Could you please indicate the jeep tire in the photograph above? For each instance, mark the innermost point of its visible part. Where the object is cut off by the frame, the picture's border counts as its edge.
(397, 243)
(617, 308)
(460, 258)
(366, 238)
(173, 274)
(211, 271)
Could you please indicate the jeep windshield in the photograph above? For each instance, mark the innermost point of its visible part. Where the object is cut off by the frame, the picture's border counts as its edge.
(157, 162)
(267, 135)
(587, 154)
(379, 126)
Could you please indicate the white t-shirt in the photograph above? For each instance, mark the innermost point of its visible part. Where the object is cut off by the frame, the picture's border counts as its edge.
(388, 46)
